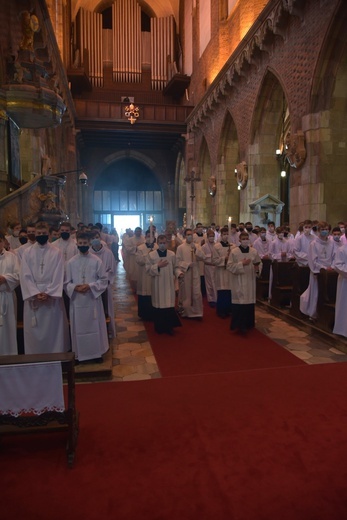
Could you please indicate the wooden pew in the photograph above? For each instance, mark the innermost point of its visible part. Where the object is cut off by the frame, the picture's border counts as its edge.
(262, 283)
(47, 421)
(282, 284)
(301, 278)
(327, 285)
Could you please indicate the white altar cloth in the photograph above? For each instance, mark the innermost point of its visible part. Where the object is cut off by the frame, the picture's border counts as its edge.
(31, 388)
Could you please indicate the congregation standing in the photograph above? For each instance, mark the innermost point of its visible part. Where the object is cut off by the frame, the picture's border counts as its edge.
(60, 283)
(66, 277)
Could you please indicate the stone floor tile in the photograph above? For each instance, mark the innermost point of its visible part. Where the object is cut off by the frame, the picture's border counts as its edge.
(123, 370)
(302, 355)
(137, 377)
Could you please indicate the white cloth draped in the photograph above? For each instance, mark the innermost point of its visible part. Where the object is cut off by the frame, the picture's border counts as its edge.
(31, 388)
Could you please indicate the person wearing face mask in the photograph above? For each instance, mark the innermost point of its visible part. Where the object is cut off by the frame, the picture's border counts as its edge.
(13, 236)
(220, 255)
(271, 233)
(85, 281)
(233, 236)
(199, 238)
(66, 244)
(340, 265)
(30, 232)
(9, 281)
(160, 266)
(343, 229)
(41, 278)
(320, 256)
(262, 244)
(144, 280)
(98, 248)
(302, 243)
(280, 247)
(244, 264)
(249, 229)
(131, 246)
(188, 259)
(336, 239)
(207, 249)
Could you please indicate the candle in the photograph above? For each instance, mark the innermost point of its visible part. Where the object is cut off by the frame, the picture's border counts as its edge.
(229, 225)
(151, 229)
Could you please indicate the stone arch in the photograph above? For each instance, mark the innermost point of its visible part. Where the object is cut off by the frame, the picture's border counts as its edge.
(203, 206)
(326, 129)
(227, 197)
(270, 125)
(181, 190)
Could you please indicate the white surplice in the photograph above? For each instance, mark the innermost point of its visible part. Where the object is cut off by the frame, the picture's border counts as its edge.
(243, 277)
(300, 249)
(106, 256)
(190, 296)
(210, 269)
(68, 248)
(87, 317)
(45, 322)
(9, 268)
(340, 265)
(320, 254)
(163, 279)
(144, 280)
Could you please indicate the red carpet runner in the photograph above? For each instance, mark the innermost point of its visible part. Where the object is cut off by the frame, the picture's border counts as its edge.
(207, 346)
(237, 429)
(257, 445)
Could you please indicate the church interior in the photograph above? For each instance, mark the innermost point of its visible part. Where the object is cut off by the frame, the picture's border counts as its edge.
(135, 113)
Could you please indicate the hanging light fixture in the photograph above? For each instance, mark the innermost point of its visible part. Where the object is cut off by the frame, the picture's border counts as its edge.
(281, 152)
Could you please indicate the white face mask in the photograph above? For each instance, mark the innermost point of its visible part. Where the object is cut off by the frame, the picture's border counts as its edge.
(263, 236)
(342, 229)
(189, 239)
(245, 243)
(162, 247)
(307, 231)
(211, 239)
(280, 236)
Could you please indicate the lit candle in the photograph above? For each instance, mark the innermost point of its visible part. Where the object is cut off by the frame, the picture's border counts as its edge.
(151, 229)
(229, 226)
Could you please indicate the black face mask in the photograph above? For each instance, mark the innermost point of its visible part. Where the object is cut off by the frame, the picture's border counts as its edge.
(42, 239)
(65, 235)
(249, 229)
(23, 240)
(83, 249)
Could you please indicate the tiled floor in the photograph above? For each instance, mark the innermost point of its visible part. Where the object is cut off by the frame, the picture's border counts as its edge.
(133, 358)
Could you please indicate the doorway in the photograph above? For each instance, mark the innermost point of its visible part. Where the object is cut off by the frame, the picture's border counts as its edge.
(123, 222)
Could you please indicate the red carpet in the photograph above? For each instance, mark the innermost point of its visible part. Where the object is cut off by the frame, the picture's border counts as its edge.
(208, 346)
(251, 445)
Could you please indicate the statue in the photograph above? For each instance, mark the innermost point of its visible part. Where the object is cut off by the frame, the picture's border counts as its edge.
(30, 25)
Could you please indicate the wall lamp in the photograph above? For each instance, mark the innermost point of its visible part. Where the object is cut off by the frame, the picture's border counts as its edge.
(83, 179)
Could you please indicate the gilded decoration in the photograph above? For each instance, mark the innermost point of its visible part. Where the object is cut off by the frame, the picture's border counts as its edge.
(212, 186)
(241, 174)
(30, 26)
(295, 149)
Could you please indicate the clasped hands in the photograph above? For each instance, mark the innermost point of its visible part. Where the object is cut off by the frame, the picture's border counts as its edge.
(82, 288)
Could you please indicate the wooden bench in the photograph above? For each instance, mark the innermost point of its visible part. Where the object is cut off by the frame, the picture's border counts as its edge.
(327, 285)
(301, 278)
(282, 283)
(46, 421)
(262, 283)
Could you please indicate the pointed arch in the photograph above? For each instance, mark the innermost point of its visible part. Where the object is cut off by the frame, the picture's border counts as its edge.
(270, 124)
(228, 157)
